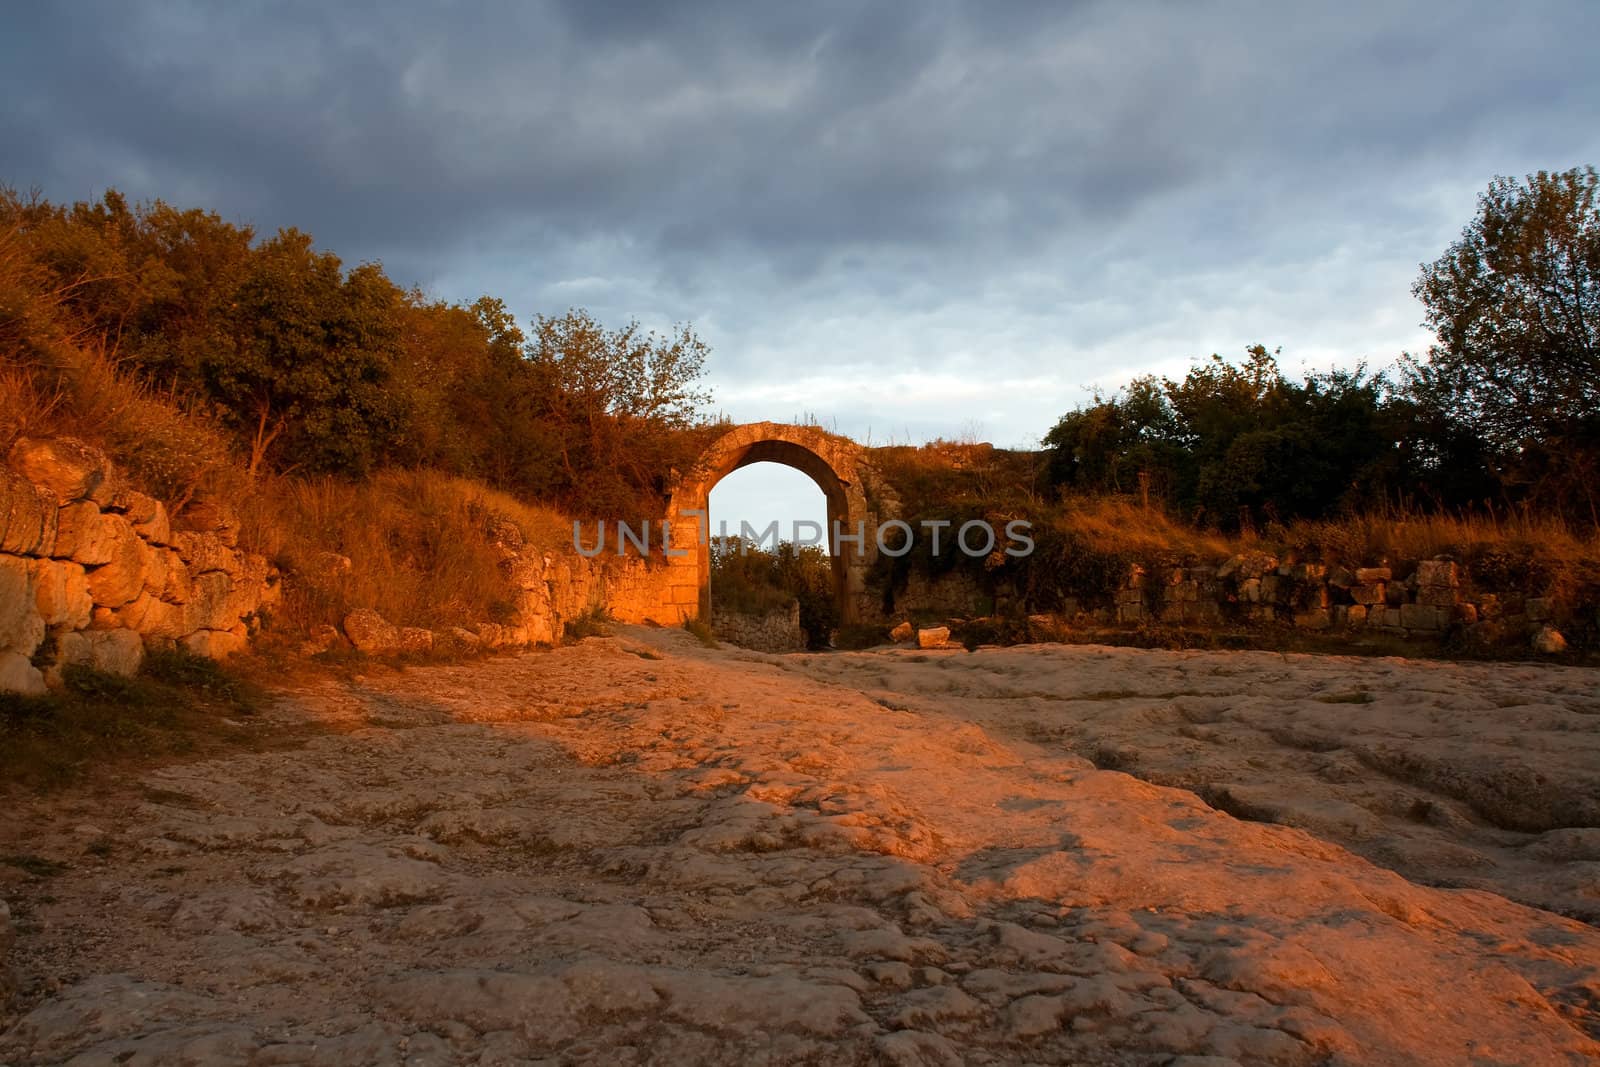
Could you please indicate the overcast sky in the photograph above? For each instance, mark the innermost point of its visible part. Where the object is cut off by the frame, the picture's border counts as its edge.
(906, 220)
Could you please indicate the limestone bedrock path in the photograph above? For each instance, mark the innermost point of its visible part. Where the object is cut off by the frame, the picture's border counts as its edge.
(636, 850)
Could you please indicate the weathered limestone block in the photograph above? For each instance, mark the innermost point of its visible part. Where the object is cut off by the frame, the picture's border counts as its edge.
(464, 639)
(118, 651)
(158, 528)
(525, 572)
(211, 517)
(1273, 589)
(208, 605)
(371, 632)
(1133, 612)
(1368, 575)
(21, 626)
(1538, 608)
(247, 589)
(1440, 596)
(27, 516)
(1387, 617)
(902, 633)
(1367, 593)
(122, 578)
(1341, 578)
(415, 639)
(1465, 613)
(61, 592)
(66, 466)
(1250, 590)
(1422, 617)
(151, 617)
(206, 552)
(1355, 616)
(933, 637)
(1314, 619)
(19, 675)
(215, 644)
(179, 587)
(83, 534)
(1437, 572)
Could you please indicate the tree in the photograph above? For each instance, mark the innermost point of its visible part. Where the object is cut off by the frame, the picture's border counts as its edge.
(628, 372)
(305, 377)
(1515, 304)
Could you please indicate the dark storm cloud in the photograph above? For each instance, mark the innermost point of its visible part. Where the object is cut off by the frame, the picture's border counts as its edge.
(941, 187)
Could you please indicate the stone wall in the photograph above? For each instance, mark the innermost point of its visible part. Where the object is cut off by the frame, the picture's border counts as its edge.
(1429, 599)
(95, 572)
(776, 631)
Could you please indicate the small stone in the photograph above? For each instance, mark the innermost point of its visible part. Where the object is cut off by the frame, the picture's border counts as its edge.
(18, 675)
(902, 633)
(933, 637)
(215, 644)
(1549, 641)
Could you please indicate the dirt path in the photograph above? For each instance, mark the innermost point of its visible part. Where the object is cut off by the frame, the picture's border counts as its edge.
(636, 850)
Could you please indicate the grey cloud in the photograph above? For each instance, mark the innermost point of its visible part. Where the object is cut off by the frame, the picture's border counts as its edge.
(912, 183)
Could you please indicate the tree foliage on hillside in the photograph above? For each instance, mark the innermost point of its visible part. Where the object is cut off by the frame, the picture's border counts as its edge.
(1236, 444)
(322, 369)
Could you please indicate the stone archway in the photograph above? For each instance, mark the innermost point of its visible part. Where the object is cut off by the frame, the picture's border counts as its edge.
(839, 467)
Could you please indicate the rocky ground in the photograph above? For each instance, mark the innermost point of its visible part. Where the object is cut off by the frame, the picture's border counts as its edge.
(639, 850)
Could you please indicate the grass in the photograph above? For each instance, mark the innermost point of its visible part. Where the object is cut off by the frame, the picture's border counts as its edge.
(590, 624)
(702, 632)
(425, 548)
(178, 704)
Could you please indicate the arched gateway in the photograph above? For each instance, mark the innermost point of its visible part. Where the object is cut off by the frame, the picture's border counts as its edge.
(856, 503)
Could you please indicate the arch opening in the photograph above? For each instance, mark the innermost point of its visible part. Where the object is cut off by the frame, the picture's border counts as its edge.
(770, 550)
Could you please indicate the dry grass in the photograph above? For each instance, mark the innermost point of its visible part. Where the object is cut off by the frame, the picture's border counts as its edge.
(1117, 525)
(422, 546)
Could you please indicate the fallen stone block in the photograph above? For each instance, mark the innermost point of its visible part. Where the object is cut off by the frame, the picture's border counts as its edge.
(371, 633)
(69, 468)
(1549, 641)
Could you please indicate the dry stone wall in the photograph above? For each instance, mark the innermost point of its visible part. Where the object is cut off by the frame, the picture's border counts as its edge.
(1425, 600)
(94, 572)
(775, 631)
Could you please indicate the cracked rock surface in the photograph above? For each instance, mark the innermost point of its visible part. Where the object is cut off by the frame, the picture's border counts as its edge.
(638, 850)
